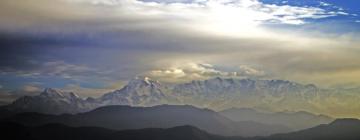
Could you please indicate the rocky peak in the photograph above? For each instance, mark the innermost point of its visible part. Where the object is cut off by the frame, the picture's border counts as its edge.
(143, 82)
(345, 121)
(56, 93)
(51, 92)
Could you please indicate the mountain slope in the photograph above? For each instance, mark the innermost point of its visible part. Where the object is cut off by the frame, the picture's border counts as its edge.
(138, 92)
(51, 101)
(175, 133)
(294, 120)
(341, 129)
(163, 116)
(61, 132)
(15, 131)
(219, 93)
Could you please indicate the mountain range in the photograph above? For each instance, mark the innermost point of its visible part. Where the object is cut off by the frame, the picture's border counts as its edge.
(216, 94)
(294, 120)
(342, 129)
(162, 116)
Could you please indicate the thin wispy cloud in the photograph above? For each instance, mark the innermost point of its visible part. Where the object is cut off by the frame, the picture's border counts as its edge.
(201, 71)
(95, 46)
(233, 17)
(118, 39)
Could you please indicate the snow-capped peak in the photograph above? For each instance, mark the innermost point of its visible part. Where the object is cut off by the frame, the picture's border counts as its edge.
(142, 81)
(143, 91)
(147, 80)
(70, 95)
(56, 93)
(51, 92)
(138, 91)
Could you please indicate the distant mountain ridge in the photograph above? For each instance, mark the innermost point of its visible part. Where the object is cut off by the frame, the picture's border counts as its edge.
(295, 120)
(217, 93)
(62, 132)
(51, 101)
(342, 129)
(162, 116)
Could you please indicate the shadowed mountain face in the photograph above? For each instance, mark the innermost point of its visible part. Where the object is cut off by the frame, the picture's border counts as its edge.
(164, 116)
(295, 120)
(15, 131)
(51, 101)
(176, 133)
(62, 132)
(344, 129)
(341, 129)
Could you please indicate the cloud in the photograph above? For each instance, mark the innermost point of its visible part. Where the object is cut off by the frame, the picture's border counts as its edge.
(6, 98)
(85, 92)
(8, 95)
(88, 41)
(185, 72)
(245, 70)
(244, 9)
(219, 15)
(190, 71)
(58, 68)
(29, 89)
(62, 69)
(32, 89)
(325, 4)
(153, 36)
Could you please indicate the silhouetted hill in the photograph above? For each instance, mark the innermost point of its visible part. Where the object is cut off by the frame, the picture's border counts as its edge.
(163, 116)
(175, 133)
(15, 131)
(4, 113)
(294, 120)
(341, 129)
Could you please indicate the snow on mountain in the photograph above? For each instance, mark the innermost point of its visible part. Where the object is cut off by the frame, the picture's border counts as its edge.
(294, 120)
(221, 93)
(138, 92)
(217, 93)
(52, 101)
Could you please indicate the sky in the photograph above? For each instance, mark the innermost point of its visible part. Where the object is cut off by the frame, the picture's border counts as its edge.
(95, 46)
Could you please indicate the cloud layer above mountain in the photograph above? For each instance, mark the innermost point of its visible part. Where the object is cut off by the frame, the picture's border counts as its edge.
(93, 44)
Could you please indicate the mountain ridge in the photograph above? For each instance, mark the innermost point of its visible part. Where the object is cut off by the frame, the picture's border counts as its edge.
(216, 93)
(295, 120)
(339, 129)
(344, 129)
(162, 116)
